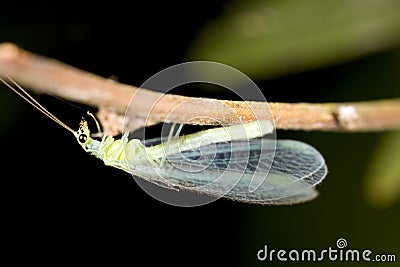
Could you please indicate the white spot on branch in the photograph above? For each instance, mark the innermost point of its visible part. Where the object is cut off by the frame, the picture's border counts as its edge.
(348, 117)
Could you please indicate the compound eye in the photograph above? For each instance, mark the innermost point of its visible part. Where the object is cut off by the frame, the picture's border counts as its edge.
(82, 138)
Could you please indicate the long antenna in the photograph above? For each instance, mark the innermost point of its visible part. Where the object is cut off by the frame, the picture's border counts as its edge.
(28, 98)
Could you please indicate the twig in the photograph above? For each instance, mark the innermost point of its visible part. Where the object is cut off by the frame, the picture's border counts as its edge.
(45, 75)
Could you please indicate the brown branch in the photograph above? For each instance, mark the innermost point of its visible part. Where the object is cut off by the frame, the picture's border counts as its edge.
(45, 75)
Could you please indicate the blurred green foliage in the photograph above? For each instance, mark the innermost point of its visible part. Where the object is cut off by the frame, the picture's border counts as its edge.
(274, 38)
(382, 185)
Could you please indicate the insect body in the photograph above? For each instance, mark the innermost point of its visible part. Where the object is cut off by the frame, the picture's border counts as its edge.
(231, 162)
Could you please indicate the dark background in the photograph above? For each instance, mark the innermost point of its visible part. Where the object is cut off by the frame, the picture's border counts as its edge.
(64, 206)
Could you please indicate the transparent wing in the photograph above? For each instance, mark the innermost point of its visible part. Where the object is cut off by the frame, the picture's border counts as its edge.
(257, 171)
